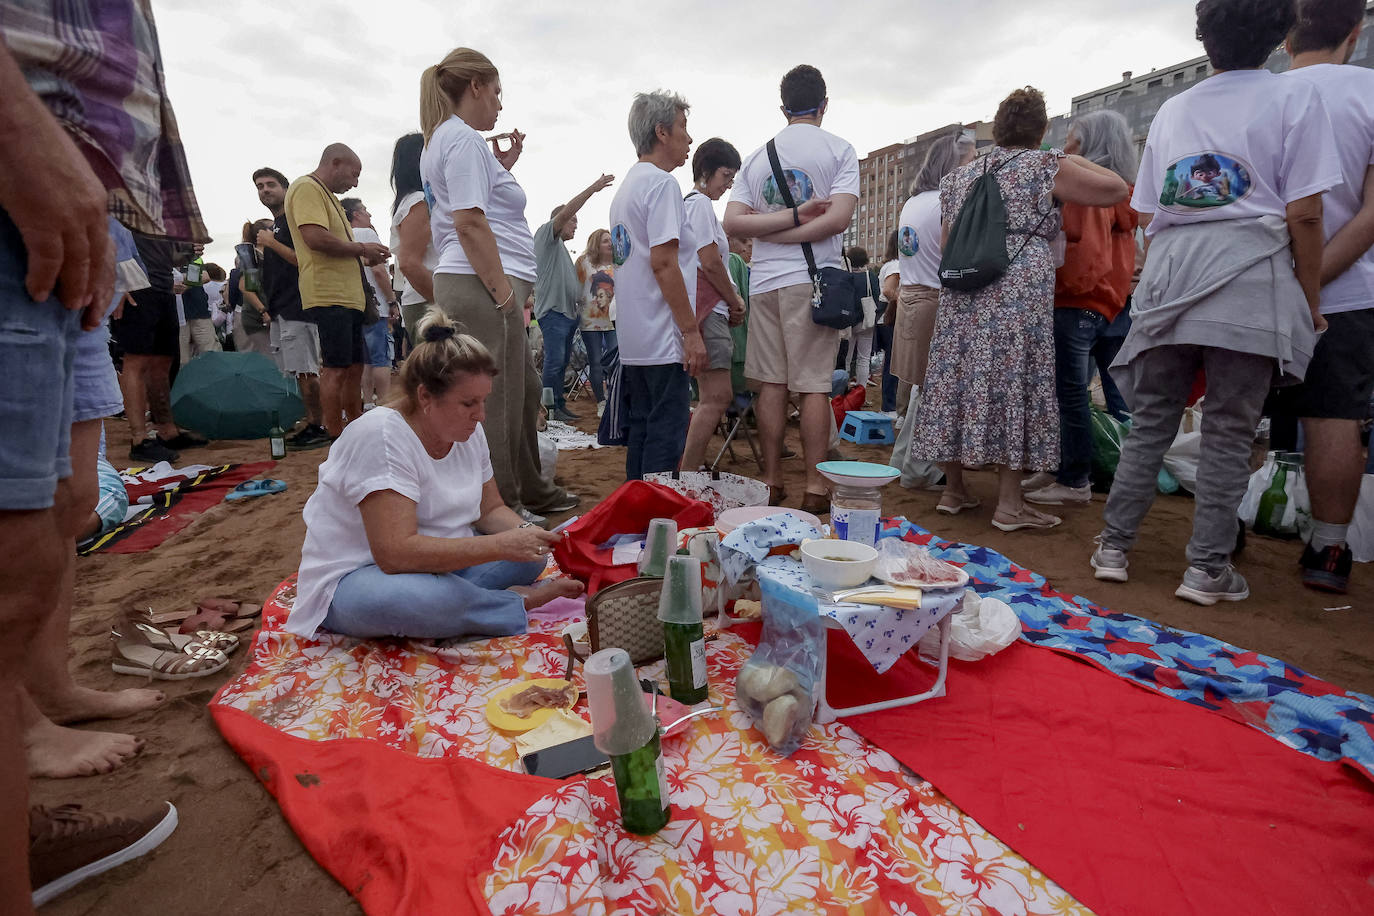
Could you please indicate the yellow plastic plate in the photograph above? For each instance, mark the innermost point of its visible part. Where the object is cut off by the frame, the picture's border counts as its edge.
(503, 720)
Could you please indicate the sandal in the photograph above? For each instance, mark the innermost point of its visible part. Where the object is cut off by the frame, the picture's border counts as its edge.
(218, 619)
(227, 643)
(967, 502)
(225, 614)
(1027, 518)
(135, 651)
(251, 488)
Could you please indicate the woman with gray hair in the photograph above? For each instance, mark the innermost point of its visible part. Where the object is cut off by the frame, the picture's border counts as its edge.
(916, 290)
(1090, 292)
(486, 267)
(654, 250)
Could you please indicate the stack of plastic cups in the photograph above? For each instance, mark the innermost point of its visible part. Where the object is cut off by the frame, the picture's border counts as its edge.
(684, 637)
(660, 544)
(624, 730)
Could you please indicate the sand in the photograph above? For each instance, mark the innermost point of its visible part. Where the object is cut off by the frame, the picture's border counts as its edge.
(233, 853)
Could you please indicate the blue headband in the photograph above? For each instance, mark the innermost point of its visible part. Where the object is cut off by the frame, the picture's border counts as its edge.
(803, 114)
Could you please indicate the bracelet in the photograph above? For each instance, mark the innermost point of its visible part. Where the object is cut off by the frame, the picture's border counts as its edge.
(796, 218)
(524, 525)
(505, 302)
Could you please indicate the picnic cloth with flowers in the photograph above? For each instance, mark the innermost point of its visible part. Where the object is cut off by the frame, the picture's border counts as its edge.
(383, 762)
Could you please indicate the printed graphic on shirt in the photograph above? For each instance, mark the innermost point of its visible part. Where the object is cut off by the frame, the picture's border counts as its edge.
(798, 182)
(1204, 180)
(620, 244)
(602, 292)
(907, 242)
(429, 197)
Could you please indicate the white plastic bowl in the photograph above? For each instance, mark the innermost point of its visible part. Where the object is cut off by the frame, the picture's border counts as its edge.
(858, 473)
(832, 574)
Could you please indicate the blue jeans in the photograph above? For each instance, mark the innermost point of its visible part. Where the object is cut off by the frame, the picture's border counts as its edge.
(1075, 332)
(882, 338)
(476, 601)
(1104, 353)
(597, 343)
(658, 407)
(559, 331)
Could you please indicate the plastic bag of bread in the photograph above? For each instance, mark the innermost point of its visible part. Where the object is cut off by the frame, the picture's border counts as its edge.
(777, 686)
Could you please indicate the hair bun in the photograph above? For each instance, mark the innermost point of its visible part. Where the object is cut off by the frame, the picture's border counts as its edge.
(437, 332)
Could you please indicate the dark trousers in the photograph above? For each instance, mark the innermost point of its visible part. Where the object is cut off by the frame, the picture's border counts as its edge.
(882, 340)
(658, 407)
(1075, 332)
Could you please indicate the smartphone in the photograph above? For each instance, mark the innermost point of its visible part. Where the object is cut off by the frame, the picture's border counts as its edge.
(567, 759)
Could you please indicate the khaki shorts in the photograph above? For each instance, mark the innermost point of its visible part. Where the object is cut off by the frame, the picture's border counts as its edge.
(785, 346)
(720, 345)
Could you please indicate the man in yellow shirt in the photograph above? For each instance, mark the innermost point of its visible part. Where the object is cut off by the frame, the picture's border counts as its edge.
(331, 279)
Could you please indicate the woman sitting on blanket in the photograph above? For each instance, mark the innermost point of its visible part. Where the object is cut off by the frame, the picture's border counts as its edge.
(406, 534)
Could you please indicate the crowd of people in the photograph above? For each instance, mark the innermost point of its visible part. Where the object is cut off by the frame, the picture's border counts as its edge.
(1232, 257)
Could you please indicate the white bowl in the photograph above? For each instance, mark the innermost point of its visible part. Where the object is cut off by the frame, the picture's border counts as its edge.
(858, 473)
(820, 557)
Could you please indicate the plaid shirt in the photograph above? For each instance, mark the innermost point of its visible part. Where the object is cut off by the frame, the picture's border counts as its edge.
(98, 68)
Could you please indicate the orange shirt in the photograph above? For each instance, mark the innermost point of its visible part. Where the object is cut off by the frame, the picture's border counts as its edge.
(1099, 258)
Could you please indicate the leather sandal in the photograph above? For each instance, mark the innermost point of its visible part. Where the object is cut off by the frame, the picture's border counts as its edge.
(136, 651)
(227, 643)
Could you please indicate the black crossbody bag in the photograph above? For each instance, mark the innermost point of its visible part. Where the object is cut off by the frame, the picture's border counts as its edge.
(835, 298)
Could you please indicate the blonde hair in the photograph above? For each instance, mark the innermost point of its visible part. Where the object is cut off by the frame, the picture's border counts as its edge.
(443, 85)
(593, 252)
(440, 356)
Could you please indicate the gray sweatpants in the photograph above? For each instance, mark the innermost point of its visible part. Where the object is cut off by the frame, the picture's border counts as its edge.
(1236, 387)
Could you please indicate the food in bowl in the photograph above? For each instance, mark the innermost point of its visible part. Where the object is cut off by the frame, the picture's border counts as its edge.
(838, 564)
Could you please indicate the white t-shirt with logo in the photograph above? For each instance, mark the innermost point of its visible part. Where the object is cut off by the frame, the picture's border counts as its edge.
(379, 451)
(370, 235)
(409, 295)
(1239, 145)
(461, 173)
(918, 240)
(706, 227)
(648, 210)
(816, 164)
(1348, 93)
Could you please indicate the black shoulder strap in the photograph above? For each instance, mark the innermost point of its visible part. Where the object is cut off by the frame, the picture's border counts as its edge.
(787, 199)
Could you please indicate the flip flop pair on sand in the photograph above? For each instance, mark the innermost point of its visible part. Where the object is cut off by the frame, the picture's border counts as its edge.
(224, 615)
(253, 488)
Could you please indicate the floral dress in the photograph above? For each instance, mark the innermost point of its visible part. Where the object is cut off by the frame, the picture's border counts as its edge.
(989, 394)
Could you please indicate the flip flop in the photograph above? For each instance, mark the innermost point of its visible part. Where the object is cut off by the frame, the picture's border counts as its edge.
(969, 502)
(1025, 521)
(251, 488)
(225, 607)
(223, 615)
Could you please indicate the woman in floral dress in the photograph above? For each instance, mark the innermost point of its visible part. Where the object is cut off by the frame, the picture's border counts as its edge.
(989, 397)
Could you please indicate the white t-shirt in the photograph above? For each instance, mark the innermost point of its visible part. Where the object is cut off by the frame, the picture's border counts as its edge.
(707, 228)
(648, 210)
(1348, 93)
(918, 240)
(461, 173)
(1241, 144)
(816, 164)
(370, 235)
(380, 451)
(887, 270)
(409, 295)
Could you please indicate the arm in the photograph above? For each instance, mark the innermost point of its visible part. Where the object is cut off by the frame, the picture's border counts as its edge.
(745, 223)
(1304, 217)
(474, 234)
(569, 210)
(834, 221)
(1082, 182)
(715, 271)
(892, 287)
(383, 278)
(398, 547)
(1352, 240)
(318, 238)
(251, 300)
(55, 200)
(266, 239)
(663, 262)
(415, 238)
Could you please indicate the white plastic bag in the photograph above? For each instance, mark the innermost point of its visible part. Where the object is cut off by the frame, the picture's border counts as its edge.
(1297, 517)
(981, 627)
(1181, 459)
(1360, 537)
(548, 457)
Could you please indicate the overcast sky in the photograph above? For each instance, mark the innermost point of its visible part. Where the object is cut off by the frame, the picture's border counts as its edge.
(256, 83)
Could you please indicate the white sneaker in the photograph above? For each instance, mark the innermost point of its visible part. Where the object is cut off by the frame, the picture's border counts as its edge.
(1056, 494)
(1202, 588)
(1109, 564)
(600, 408)
(1037, 481)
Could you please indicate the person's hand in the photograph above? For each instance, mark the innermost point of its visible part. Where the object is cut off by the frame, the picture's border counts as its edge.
(812, 209)
(1318, 322)
(526, 543)
(265, 237)
(94, 314)
(736, 312)
(58, 205)
(178, 287)
(694, 358)
(374, 253)
(601, 183)
(510, 154)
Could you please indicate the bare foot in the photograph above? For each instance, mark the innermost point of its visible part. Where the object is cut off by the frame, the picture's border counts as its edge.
(541, 594)
(82, 703)
(55, 752)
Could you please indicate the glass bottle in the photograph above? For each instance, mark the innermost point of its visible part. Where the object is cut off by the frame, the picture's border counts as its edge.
(195, 273)
(625, 730)
(1274, 501)
(276, 438)
(684, 637)
(854, 513)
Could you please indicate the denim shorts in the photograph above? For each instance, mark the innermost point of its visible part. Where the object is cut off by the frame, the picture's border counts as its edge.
(38, 342)
(96, 386)
(377, 338)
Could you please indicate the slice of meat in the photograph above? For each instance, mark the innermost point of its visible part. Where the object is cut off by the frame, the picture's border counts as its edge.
(523, 703)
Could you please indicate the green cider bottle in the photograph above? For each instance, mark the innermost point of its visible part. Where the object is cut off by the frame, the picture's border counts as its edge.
(624, 730)
(642, 788)
(684, 637)
(1274, 501)
(276, 438)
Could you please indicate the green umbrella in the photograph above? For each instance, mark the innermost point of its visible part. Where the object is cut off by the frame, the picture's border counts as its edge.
(234, 396)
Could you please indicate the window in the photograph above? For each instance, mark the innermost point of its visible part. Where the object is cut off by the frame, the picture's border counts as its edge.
(1154, 84)
(1201, 70)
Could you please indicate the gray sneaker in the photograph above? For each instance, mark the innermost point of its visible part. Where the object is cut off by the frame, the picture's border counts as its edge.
(1109, 564)
(530, 517)
(1202, 588)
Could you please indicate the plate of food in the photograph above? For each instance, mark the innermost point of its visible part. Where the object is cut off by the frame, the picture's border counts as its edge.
(528, 704)
(911, 566)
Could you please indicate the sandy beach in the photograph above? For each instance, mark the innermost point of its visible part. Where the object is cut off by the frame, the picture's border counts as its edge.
(233, 853)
